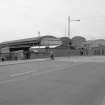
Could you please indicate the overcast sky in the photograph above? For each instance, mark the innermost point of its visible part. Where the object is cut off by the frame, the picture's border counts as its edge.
(24, 18)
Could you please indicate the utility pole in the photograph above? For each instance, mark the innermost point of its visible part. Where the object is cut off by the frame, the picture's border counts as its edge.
(65, 30)
(69, 26)
(39, 37)
(39, 34)
(69, 21)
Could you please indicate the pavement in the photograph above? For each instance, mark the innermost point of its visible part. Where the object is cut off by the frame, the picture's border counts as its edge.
(64, 81)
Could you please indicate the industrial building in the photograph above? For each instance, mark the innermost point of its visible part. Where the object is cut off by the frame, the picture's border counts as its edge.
(40, 47)
(21, 49)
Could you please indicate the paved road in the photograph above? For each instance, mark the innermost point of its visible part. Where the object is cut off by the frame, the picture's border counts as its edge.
(73, 81)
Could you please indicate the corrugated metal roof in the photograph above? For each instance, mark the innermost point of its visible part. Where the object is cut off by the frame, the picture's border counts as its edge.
(25, 41)
(21, 41)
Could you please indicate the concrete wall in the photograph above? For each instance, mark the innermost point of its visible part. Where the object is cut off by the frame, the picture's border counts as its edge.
(66, 52)
(57, 53)
(98, 50)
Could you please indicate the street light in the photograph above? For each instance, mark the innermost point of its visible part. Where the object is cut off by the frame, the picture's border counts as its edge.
(69, 20)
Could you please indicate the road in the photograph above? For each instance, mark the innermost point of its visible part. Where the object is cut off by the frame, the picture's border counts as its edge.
(73, 81)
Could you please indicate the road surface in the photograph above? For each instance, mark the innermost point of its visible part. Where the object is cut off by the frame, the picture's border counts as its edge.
(65, 81)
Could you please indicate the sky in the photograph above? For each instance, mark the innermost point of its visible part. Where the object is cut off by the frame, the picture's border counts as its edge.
(24, 18)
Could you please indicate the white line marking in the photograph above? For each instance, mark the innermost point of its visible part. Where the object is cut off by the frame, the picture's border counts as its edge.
(79, 60)
(6, 63)
(12, 80)
(20, 74)
(37, 73)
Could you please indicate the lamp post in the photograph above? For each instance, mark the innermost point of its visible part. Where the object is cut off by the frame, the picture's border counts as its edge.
(69, 21)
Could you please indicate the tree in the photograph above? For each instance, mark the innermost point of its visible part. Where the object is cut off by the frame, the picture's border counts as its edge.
(66, 42)
(77, 41)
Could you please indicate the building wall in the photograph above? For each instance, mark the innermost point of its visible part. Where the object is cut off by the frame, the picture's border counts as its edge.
(5, 50)
(98, 50)
(57, 53)
(94, 51)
